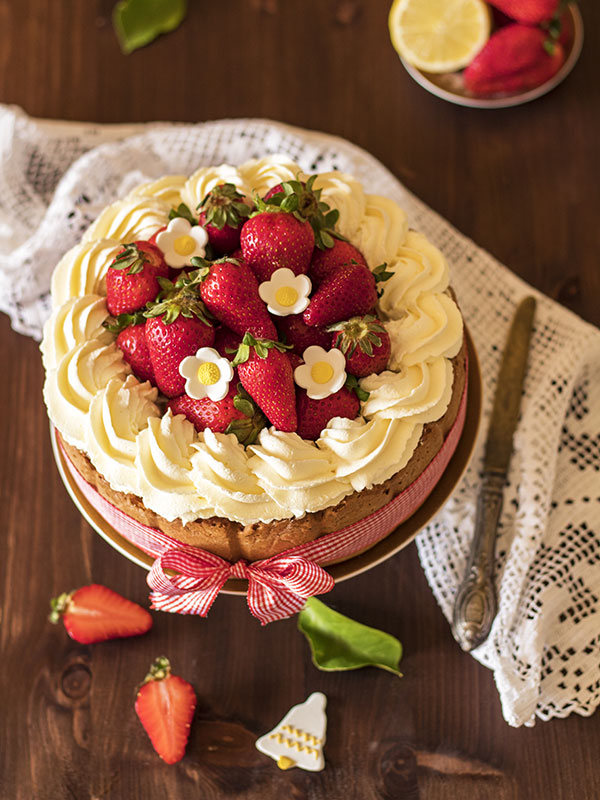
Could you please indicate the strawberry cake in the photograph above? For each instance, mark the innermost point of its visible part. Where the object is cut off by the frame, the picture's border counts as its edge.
(251, 357)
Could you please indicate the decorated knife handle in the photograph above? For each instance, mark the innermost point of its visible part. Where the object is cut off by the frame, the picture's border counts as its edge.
(475, 606)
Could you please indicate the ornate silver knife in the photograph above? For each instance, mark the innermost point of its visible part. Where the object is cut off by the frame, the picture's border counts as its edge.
(476, 605)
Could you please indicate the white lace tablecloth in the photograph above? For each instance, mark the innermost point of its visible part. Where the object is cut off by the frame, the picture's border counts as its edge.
(544, 647)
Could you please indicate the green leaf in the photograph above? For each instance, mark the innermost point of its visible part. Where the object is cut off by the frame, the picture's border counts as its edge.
(139, 22)
(339, 643)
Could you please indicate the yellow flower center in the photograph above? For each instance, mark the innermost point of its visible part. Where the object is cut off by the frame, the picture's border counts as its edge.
(321, 372)
(286, 296)
(208, 373)
(184, 245)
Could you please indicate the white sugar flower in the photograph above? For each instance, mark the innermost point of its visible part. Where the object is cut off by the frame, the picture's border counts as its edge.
(323, 372)
(181, 242)
(207, 374)
(285, 293)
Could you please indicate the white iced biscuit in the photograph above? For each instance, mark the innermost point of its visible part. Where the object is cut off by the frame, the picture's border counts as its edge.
(299, 738)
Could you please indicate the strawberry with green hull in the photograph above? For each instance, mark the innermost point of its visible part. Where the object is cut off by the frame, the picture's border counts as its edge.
(222, 214)
(132, 278)
(131, 340)
(176, 326)
(266, 374)
(229, 290)
(165, 705)
(364, 342)
(275, 239)
(236, 414)
(95, 613)
(515, 58)
(325, 262)
(313, 415)
(284, 230)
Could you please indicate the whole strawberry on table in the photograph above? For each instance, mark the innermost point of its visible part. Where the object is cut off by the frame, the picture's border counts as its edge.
(271, 321)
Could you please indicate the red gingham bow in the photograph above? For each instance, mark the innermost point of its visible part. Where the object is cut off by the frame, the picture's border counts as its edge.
(277, 587)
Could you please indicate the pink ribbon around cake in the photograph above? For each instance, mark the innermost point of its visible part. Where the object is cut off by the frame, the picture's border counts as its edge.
(278, 586)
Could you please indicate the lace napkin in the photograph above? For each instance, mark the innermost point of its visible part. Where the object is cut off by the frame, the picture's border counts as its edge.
(544, 647)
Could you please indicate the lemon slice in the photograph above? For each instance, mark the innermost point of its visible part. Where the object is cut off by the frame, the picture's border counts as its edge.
(439, 35)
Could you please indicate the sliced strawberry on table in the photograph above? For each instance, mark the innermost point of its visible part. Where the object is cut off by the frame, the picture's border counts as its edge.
(132, 278)
(515, 58)
(313, 415)
(364, 342)
(229, 291)
(294, 331)
(324, 262)
(95, 613)
(236, 414)
(176, 326)
(222, 214)
(266, 374)
(165, 705)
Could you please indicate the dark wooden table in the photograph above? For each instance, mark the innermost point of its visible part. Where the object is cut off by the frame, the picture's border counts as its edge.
(523, 183)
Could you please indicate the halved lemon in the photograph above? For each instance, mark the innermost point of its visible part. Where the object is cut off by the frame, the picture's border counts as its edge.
(439, 35)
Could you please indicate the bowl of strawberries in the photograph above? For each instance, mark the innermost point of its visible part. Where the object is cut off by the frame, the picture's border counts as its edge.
(492, 54)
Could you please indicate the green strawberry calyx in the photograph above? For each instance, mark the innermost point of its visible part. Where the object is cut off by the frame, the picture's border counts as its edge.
(357, 332)
(130, 258)
(159, 670)
(224, 205)
(59, 606)
(300, 199)
(354, 386)
(179, 297)
(260, 346)
(254, 421)
(118, 324)
(183, 211)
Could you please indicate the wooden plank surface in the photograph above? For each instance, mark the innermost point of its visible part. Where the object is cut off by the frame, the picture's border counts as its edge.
(522, 183)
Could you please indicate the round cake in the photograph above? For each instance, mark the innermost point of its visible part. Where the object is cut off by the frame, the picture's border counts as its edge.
(251, 358)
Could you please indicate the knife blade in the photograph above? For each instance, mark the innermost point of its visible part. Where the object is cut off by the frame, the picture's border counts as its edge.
(476, 604)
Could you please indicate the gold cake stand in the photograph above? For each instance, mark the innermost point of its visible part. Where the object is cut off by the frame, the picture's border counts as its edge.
(395, 541)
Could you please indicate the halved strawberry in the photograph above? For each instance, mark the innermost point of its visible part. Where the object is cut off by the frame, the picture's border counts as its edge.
(364, 342)
(95, 613)
(165, 705)
(132, 278)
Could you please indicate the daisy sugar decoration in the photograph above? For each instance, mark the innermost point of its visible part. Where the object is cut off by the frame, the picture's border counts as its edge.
(181, 242)
(323, 372)
(285, 292)
(207, 374)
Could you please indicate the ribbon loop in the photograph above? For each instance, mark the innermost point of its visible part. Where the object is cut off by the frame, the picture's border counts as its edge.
(277, 587)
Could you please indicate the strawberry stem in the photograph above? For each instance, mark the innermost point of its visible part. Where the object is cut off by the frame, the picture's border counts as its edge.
(261, 347)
